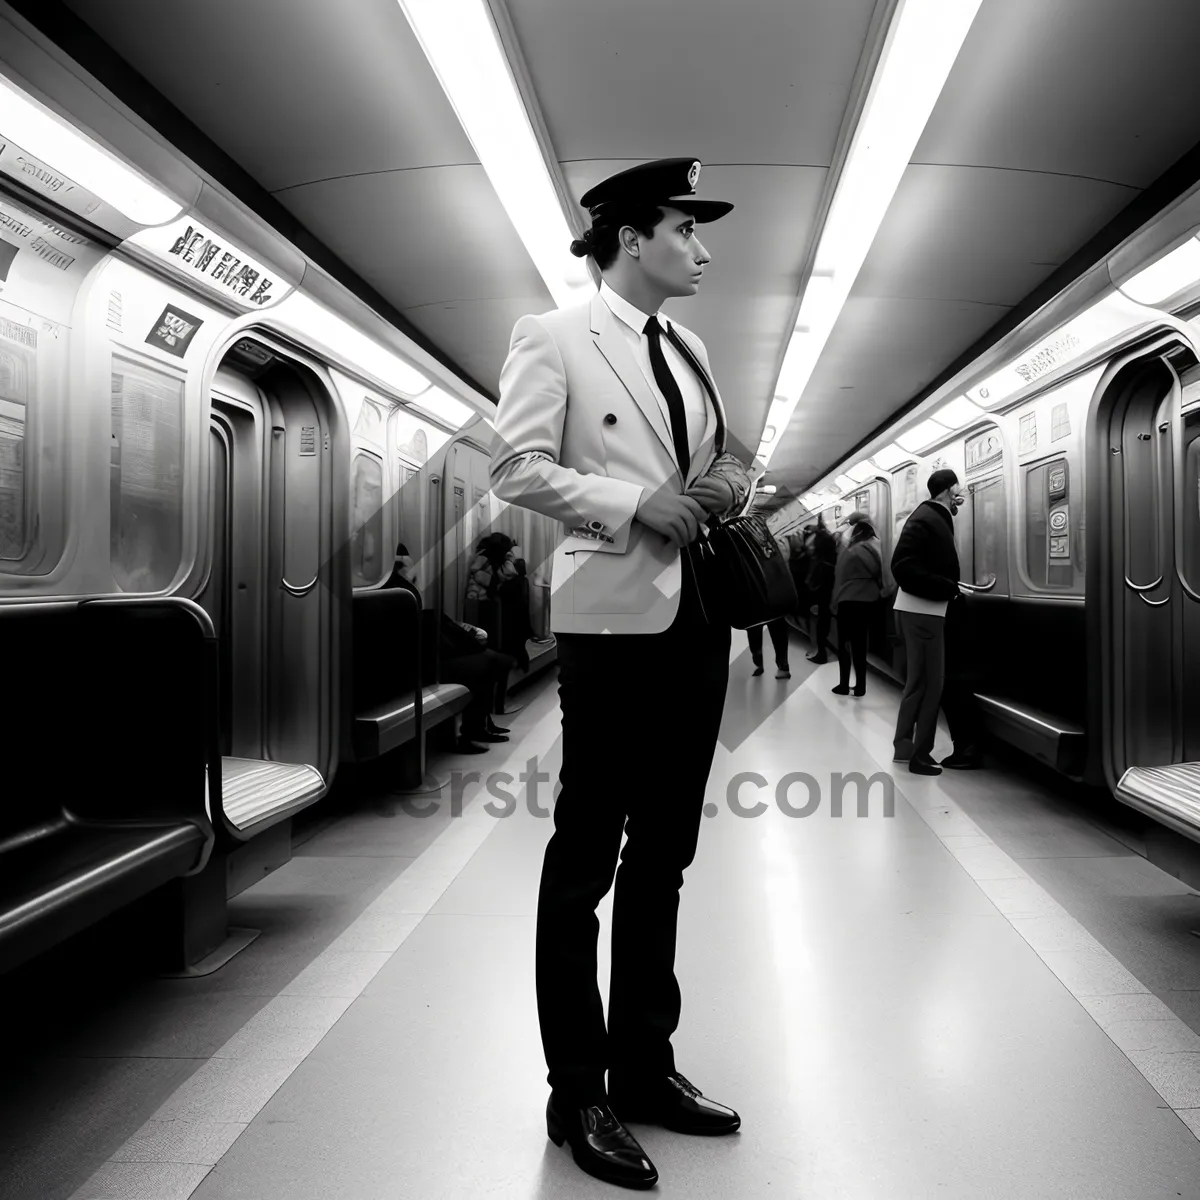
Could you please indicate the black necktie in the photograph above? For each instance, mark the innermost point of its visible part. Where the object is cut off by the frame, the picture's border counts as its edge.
(672, 395)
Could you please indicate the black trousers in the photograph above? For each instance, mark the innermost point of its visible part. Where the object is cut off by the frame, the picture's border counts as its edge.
(485, 674)
(640, 719)
(824, 620)
(854, 629)
(778, 629)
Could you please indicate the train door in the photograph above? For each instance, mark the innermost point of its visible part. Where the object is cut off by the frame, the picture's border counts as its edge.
(270, 536)
(1150, 619)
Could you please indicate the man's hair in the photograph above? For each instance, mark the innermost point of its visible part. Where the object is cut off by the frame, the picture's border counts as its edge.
(939, 481)
(603, 242)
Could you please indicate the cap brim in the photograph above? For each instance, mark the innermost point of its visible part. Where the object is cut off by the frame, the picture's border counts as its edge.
(701, 211)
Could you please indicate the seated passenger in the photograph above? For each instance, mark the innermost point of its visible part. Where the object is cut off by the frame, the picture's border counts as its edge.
(497, 574)
(465, 659)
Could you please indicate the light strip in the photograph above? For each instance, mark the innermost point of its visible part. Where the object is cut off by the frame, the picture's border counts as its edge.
(923, 43)
(862, 472)
(889, 457)
(1161, 280)
(466, 55)
(323, 327)
(920, 436)
(846, 483)
(445, 407)
(957, 413)
(44, 134)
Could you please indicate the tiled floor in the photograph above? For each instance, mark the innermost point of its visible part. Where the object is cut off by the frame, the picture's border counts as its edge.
(985, 994)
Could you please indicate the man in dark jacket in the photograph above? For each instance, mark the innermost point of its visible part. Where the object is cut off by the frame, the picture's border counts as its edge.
(925, 567)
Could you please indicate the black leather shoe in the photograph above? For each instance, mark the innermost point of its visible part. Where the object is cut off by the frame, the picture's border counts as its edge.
(491, 727)
(963, 760)
(758, 669)
(485, 736)
(922, 764)
(600, 1144)
(675, 1104)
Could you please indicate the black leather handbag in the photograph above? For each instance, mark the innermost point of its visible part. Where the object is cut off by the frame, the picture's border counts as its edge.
(742, 574)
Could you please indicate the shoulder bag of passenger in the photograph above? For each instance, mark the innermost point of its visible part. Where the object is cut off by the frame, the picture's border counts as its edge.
(741, 573)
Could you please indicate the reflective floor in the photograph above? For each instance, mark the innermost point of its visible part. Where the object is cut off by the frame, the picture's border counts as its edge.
(983, 992)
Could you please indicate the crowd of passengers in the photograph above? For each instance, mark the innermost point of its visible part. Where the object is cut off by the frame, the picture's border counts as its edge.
(841, 576)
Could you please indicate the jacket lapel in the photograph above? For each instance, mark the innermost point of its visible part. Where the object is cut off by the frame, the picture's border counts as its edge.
(612, 345)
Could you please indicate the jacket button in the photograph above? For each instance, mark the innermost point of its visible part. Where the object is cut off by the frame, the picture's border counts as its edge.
(610, 419)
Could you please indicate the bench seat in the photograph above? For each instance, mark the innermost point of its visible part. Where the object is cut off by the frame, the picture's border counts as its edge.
(1053, 740)
(257, 793)
(1170, 794)
(60, 879)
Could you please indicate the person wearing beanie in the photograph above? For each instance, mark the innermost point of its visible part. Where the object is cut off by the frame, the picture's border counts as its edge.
(925, 567)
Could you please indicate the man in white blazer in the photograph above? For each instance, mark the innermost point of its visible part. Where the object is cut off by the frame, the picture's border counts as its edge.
(610, 421)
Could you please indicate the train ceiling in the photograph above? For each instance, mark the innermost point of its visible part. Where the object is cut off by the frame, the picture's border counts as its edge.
(1056, 116)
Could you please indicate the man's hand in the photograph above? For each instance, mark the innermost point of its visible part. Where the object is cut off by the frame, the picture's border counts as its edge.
(677, 518)
(716, 495)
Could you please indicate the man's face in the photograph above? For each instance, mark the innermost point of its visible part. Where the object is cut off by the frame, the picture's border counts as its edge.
(673, 259)
(955, 498)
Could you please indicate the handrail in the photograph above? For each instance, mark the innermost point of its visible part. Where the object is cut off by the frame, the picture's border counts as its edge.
(979, 587)
(292, 589)
(1142, 587)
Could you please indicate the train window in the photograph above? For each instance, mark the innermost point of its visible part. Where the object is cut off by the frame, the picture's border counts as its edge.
(366, 520)
(16, 378)
(1189, 528)
(146, 477)
(989, 533)
(1051, 547)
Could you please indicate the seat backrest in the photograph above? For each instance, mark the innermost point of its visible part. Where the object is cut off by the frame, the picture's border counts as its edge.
(387, 646)
(110, 711)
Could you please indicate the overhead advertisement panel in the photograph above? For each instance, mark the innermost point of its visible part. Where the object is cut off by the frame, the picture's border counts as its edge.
(193, 252)
(1108, 318)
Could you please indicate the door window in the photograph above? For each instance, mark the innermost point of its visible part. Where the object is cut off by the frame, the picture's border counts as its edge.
(146, 477)
(366, 540)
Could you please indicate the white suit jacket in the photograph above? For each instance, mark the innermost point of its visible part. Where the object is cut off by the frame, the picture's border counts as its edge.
(579, 436)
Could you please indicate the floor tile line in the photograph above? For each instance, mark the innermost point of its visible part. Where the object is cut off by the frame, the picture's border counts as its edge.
(1110, 961)
(463, 848)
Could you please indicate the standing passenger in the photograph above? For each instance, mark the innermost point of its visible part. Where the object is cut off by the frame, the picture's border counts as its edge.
(609, 421)
(822, 563)
(925, 566)
(857, 585)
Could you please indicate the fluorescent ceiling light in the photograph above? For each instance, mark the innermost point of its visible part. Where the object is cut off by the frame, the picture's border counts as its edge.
(921, 436)
(465, 53)
(45, 135)
(957, 413)
(922, 45)
(862, 472)
(323, 327)
(811, 501)
(1161, 280)
(768, 489)
(445, 407)
(889, 457)
(846, 483)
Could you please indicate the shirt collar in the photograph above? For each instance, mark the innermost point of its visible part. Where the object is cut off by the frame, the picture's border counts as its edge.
(623, 310)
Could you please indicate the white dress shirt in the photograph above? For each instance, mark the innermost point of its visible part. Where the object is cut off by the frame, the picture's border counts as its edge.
(631, 321)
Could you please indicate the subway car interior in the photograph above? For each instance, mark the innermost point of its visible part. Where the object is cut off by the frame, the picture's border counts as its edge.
(262, 931)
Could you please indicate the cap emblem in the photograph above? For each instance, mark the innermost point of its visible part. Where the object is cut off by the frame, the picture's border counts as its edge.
(693, 175)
